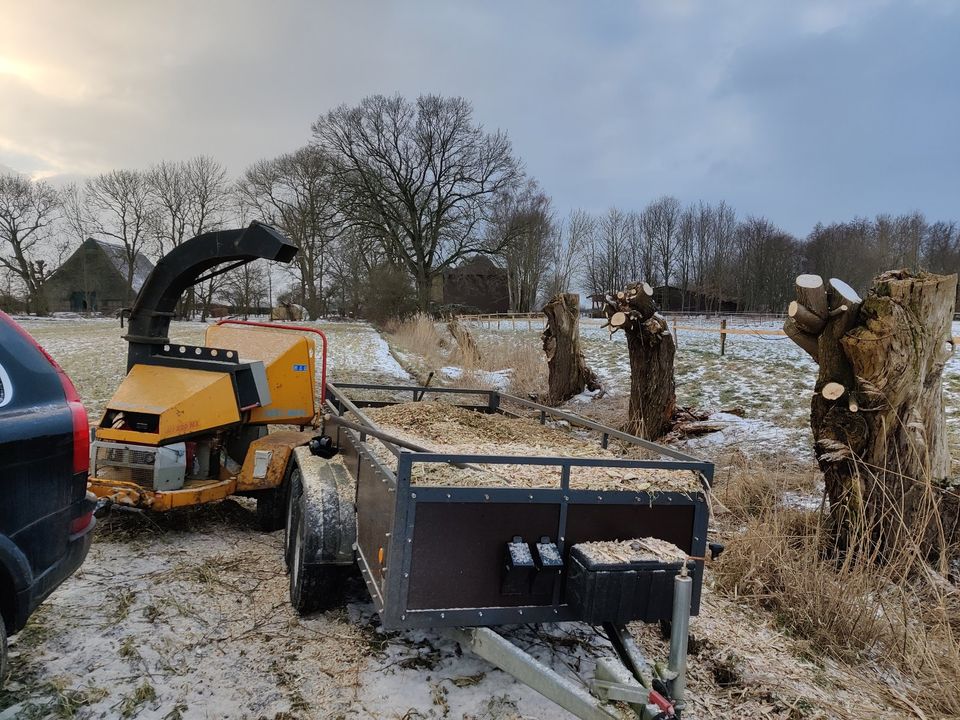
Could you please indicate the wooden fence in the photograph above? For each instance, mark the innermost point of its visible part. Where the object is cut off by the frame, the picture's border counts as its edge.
(537, 320)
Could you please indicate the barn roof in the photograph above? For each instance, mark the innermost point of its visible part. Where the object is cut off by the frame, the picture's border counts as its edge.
(142, 267)
(477, 265)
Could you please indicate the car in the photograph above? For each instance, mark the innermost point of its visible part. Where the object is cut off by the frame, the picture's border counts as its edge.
(46, 514)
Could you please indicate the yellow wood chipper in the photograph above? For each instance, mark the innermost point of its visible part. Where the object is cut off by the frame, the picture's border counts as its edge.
(189, 424)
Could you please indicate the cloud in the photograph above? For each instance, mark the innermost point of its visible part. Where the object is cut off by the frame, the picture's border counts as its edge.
(801, 111)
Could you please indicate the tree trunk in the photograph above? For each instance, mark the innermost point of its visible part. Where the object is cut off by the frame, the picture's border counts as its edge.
(877, 413)
(568, 370)
(469, 352)
(653, 396)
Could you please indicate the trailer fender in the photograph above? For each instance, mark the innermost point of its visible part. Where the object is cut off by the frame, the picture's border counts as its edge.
(329, 493)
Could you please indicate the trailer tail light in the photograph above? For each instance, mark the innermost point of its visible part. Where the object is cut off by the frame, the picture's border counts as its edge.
(78, 414)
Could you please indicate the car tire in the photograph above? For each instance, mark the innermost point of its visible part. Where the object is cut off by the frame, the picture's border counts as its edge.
(313, 586)
(272, 509)
(4, 667)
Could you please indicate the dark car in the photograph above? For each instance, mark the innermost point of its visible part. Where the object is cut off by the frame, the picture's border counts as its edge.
(46, 516)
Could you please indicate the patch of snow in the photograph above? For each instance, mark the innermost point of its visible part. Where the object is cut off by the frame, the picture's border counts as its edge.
(497, 379)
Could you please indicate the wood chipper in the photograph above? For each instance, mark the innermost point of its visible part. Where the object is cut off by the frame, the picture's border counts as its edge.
(189, 424)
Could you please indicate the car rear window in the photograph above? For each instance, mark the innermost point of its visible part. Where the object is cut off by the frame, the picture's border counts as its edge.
(6, 389)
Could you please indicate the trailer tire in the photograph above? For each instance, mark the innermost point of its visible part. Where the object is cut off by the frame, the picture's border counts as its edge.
(272, 508)
(313, 587)
(289, 527)
(322, 532)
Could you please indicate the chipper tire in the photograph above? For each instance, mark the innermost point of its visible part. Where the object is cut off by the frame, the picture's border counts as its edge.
(272, 509)
(321, 533)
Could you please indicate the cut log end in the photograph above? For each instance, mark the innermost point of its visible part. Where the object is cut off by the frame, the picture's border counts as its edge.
(832, 391)
(618, 319)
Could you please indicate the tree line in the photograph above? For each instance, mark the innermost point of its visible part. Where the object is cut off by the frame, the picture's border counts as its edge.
(390, 193)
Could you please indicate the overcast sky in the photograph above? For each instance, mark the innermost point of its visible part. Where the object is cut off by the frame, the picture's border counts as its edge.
(801, 111)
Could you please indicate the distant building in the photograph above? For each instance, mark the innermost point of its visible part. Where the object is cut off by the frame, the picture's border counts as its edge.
(94, 279)
(475, 286)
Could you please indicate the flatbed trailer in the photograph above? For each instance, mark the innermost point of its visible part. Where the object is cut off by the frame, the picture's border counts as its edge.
(439, 556)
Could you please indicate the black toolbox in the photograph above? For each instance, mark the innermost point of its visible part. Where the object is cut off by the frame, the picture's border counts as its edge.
(621, 592)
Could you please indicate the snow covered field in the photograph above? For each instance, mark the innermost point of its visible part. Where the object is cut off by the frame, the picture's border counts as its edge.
(186, 615)
(768, 376)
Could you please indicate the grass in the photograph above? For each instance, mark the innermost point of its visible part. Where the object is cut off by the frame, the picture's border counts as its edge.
(425, 346)
(893, 611)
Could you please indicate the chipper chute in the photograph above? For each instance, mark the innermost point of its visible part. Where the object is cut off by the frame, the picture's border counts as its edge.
(189, 423)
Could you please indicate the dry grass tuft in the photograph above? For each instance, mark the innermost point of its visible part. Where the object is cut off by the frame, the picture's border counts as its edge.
(899, 614)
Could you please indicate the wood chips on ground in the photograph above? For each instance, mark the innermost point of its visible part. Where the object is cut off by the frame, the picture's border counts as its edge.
(446, 428)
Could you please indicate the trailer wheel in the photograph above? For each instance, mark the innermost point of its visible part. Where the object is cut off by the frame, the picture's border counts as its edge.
(313, 587)
(272, 508)
(321, 534)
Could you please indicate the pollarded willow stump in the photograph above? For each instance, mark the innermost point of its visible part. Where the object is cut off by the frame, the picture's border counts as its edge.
(567, 368)
(653, 394)
(877, 414)
(466, 345)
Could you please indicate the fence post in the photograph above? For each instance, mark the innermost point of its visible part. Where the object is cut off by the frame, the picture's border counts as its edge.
(676, 335)
(723, 337)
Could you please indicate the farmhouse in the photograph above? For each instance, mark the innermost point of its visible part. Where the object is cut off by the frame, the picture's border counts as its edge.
(94, 279)
(476, 285)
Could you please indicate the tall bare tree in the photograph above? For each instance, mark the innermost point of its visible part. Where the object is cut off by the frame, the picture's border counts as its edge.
(27, 210)
(296, 193)
(419, 177)
(661, 225)
(566, 251)
(522, 226)
(119, 207)
(610, 258)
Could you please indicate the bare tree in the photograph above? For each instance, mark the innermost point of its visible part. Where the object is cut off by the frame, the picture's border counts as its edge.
(245, 288)
(119, 207)
(419, 177)
(27, 209)
(609, 262)
(522, 227)
(567, 249)
(296, 193)
(661, 225)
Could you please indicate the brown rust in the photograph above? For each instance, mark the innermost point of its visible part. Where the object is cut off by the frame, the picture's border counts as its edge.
(280, 445)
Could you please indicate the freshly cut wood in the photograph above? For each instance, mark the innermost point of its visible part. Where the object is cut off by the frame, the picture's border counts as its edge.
(832, 391)
(618, 319)
(449, 429)
(878, 417)
(841, 293)
(805, 320)
(812, 294)
(469, 352)
(805, 340)
(568, 372)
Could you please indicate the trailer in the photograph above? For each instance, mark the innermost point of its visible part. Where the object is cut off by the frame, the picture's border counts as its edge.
(471, 559)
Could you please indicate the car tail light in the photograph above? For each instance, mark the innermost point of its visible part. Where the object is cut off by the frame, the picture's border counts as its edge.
(79, 524)
(81, 426)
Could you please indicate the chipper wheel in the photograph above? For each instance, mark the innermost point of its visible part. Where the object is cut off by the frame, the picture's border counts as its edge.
(321, 532)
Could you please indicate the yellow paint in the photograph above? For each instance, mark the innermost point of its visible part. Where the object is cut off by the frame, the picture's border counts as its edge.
(187, 401)
(282, 352)
(195, 492)
(281, 444)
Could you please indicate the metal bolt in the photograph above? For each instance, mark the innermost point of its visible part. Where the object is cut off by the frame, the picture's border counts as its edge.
(480, 614)
(486, 497)
(413, 495)
(406, 575)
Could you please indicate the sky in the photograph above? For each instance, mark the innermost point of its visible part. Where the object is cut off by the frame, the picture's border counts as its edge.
(799, 111)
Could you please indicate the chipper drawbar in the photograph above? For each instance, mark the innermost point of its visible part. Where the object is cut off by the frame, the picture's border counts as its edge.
(189, 425)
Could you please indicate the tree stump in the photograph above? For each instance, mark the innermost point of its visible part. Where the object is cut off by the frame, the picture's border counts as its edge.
(653, 396)
(469, 352)
(877, 413)
(567, 368)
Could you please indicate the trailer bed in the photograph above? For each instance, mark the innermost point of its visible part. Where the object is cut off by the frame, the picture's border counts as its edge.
(434, 555)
